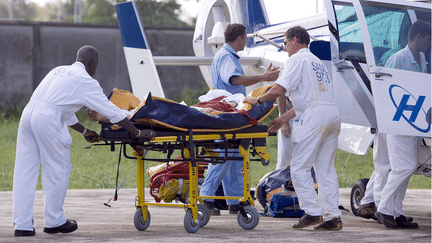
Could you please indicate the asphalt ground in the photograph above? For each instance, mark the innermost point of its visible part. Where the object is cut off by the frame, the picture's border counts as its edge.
(99, 223)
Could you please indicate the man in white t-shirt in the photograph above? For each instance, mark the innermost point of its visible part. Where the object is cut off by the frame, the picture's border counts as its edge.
(315, 131)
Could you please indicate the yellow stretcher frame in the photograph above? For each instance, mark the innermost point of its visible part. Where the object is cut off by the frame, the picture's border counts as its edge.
(197, 215)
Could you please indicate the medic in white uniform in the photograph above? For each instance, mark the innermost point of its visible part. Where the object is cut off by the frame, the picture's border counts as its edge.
(44, 140)
(378, 179)
(315, 131)
(403, 150)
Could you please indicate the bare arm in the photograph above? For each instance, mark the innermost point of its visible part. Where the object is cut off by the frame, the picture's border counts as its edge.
(271, 74)
(146, 133)
(78, 127)
(271, 94)
(283, 120)
(92, 136)
(126, 124)
(283, 106)
(277, 91)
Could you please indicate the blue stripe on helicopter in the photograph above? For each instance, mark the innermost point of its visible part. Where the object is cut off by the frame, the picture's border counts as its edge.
(131, 28)
(256, 18)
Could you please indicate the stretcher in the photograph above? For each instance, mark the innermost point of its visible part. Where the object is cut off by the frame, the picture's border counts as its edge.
(199, 138)
(195, 147)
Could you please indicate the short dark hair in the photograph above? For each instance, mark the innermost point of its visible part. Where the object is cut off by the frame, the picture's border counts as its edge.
(299, 33)
(233, 31)
(419, 27)
(87, 53)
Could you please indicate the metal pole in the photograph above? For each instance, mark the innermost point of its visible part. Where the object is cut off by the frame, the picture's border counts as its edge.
(75, 11)
(10, 10)
(80, 11)
(58, 12)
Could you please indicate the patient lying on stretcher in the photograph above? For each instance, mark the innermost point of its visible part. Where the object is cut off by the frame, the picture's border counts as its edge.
(216, 111)
(214, 102)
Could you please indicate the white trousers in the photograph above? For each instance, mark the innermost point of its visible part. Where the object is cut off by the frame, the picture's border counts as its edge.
(379, 176)
(368, 196)
(285, 148)
(315, 139)
(403, 153)
(43, 141)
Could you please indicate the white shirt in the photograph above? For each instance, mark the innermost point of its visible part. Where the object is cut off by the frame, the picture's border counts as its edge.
(306, 81)
(404, 60)
(68, 88)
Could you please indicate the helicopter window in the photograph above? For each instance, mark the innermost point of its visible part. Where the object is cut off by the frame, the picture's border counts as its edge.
(388, 30)
(350, 38)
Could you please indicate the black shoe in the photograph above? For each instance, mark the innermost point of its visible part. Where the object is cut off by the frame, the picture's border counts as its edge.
(405, 223)
(387, 220)
(307, 220)
(333, 224)
(213, 211)
(19, 233)
(367, 211)
(69, 226)
(233, 209)
(379, 221)
(409, 219)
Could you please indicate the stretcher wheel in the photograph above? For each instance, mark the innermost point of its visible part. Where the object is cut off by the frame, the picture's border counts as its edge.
(357, 193)
(265, 162)
(189, 224)
(203, 215)
(139, 223)
(252, 219)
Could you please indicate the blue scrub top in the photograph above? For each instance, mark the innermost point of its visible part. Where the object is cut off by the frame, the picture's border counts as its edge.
(225, 65)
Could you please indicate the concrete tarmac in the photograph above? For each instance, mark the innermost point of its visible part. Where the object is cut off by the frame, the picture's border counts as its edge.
(99, 223)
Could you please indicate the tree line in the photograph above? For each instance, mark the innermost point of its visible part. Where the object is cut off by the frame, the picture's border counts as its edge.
(152, 12)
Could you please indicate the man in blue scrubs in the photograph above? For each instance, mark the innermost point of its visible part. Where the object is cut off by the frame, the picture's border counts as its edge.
(227, 74)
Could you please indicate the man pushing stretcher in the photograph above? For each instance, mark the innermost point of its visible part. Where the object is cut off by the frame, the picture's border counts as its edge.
(44, 140)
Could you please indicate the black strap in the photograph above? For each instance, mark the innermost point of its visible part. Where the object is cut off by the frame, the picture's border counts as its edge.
(118, 171)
